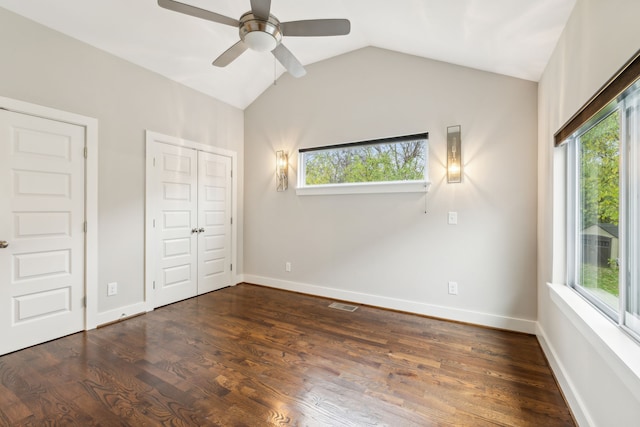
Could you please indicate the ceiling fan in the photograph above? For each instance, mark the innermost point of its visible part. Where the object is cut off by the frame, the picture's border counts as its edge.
(262, 32)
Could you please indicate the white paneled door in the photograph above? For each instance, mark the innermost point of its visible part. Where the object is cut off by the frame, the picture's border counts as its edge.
(214, 222)
(42, 211)
(176, 223)
(190, 197)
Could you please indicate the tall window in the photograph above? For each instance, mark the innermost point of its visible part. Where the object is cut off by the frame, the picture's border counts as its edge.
(389, 161)
(597, 228)
(604, 209)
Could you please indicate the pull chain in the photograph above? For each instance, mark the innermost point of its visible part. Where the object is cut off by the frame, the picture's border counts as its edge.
(274, 70)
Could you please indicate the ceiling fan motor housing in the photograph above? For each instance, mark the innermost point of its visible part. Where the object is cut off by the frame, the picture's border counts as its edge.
(259, 34)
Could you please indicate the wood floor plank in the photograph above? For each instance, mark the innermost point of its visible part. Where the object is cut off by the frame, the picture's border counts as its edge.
(254, 356)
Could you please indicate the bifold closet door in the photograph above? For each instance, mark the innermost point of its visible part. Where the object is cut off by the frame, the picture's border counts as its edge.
(175, 195)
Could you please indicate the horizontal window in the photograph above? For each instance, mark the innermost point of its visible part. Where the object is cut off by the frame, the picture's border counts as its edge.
(378, 166)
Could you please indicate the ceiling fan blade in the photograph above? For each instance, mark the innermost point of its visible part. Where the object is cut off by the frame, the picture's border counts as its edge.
(197, 12)
(290, 62)
(316, 28)
(230, 54)
(261, 8)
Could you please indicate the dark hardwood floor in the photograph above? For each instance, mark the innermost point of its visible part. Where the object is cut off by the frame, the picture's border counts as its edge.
(253, 356)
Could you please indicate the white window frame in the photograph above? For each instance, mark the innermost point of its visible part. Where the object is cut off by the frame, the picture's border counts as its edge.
(573, 237)
(628, 105)
(631, 193)
(414, 186)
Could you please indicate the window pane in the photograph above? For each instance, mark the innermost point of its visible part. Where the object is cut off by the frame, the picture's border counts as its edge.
(386, 162)
(598, 204)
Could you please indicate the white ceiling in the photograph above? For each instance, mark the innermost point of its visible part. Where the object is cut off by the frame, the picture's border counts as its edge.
(512, 37)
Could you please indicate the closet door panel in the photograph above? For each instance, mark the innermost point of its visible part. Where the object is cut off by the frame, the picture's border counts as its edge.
(214, 221)
(176, 198)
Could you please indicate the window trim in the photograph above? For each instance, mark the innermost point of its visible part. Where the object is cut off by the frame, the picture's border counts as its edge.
(614, 344)
(623, 88)
(382, 187)
(375, 187)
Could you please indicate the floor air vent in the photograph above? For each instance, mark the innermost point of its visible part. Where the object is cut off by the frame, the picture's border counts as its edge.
(343, 307)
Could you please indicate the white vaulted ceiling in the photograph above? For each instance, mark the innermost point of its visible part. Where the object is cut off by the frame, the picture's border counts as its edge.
(512, 37)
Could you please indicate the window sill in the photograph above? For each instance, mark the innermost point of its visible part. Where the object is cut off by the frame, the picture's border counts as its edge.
(365, 188)
(618, 349)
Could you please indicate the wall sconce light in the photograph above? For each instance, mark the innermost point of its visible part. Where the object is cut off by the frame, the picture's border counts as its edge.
(282, 166)
(454, 154)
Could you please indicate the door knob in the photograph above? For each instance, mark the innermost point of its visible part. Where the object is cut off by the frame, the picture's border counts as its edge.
(3, 244)
(201, 230)
(194, 230)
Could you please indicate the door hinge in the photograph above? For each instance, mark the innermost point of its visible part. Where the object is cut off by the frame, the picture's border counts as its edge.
(86, 152)
(231, 220)
(154, 162)
(231, 267)
(85, 226)
(154, 223)
(154, 284)
(84, 301)
(231, 173)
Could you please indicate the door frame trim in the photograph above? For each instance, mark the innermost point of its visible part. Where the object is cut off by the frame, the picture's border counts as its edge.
(150, 262)
(90, 126)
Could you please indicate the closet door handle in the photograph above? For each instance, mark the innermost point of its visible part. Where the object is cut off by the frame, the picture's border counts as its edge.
(194, 230)
(3, 244)
(201, 230)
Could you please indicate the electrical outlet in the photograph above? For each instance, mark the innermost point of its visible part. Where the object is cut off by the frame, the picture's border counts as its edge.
(452, 218)
(112, 289)
(287, 267)
(453, 288)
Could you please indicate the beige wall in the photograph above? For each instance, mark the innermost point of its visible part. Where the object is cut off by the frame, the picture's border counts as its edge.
(383, 249)
(603, 391)
(44, 67)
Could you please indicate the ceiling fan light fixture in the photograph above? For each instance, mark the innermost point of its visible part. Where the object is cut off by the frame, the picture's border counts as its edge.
(260, 41)
(262, 32)
(259, 34)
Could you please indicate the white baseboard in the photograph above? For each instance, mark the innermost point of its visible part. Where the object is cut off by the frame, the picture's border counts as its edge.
(568, 389)
(449, 313)
(120, 313)
(138, 308)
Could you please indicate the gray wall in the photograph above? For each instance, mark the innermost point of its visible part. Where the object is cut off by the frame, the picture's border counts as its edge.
(44, 67)
(602, 383)
(380, 248)
(383, 248)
